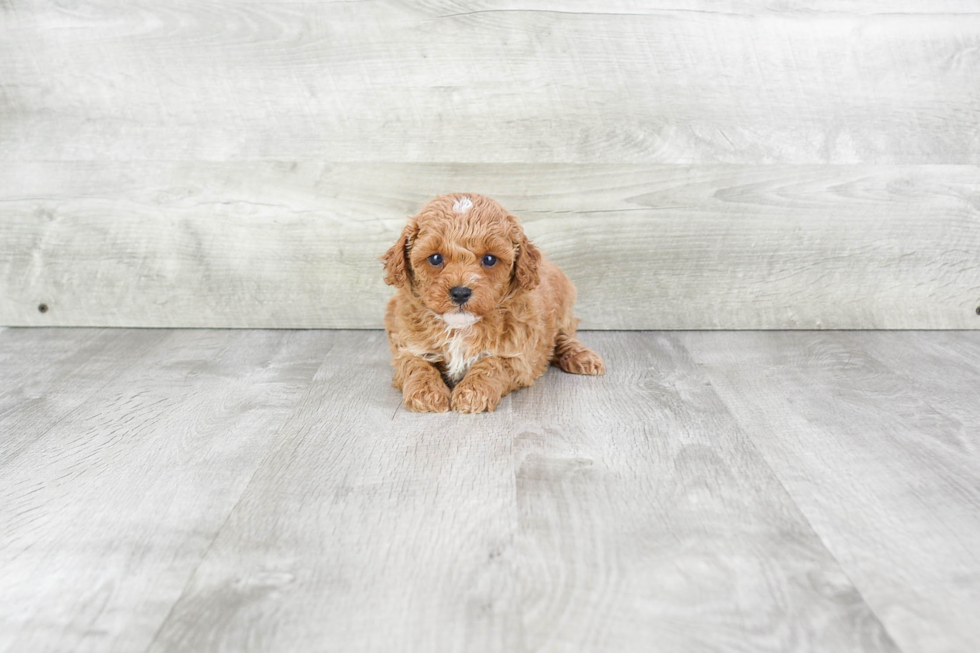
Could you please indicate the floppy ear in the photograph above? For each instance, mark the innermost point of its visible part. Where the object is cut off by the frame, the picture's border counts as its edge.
(396, 259)
(526, 263)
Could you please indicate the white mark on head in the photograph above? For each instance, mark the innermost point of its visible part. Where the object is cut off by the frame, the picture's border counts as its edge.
(462, 205)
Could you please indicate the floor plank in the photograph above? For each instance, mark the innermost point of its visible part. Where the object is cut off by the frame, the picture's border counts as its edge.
(107, 514)
(367, 529)
(257, 490)
(875, 439)
(49, 373)
(568, 569)
(942, 368)
(648, 516)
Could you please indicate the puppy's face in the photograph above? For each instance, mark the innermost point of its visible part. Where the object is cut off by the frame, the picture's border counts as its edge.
(462, 255)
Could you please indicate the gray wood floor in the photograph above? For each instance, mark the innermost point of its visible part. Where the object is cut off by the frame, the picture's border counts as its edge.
(175, 490)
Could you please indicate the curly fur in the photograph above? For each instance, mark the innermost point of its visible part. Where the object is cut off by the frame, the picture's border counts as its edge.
(518, 319)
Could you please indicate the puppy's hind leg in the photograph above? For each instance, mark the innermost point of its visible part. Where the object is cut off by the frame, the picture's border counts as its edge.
(575, 358)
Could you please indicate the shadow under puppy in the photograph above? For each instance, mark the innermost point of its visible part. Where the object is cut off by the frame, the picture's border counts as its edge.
(479, 310)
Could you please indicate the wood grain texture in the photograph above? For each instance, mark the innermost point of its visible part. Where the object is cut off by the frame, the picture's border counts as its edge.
(487, 81)
(874, 437)
(692, 165)
(257, 491)
(275, 244)
(367, 529)
(648, 521)
(431, 556)
(49, 373)
(106, 516)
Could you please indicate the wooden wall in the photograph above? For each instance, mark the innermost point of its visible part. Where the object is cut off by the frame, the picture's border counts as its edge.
(243, 163)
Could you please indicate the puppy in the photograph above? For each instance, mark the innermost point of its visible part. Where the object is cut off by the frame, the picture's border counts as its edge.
(479, 310)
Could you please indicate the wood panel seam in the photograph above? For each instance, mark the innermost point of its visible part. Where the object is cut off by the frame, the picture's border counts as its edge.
(762, 457)
(217, 532)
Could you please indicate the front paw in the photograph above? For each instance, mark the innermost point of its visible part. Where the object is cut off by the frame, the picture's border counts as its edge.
(475, 397)
(584, 361)
(426, 397)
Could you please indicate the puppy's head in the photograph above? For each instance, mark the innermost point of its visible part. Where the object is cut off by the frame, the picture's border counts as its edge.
(462, 255)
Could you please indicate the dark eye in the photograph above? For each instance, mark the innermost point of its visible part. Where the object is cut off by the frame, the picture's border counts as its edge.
(489, 261)
(436, 260)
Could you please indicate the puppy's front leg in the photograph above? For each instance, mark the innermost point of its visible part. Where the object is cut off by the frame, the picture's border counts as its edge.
(423, 389)
(483, 386)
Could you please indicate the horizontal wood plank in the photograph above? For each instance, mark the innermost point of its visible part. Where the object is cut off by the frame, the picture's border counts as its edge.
(275, 244)
(491, 82)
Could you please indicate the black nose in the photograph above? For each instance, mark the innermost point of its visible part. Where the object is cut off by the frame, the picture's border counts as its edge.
(460, 294)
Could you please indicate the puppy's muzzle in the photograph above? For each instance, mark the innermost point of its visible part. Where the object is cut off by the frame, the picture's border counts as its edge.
(460, 294)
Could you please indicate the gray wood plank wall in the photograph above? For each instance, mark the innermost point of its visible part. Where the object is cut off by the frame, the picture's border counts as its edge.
(690, 164)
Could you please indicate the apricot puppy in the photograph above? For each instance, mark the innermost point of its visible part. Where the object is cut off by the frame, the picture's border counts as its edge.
(479, 310)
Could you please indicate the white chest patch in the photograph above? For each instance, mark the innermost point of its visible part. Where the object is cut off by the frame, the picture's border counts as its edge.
(457, 363)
